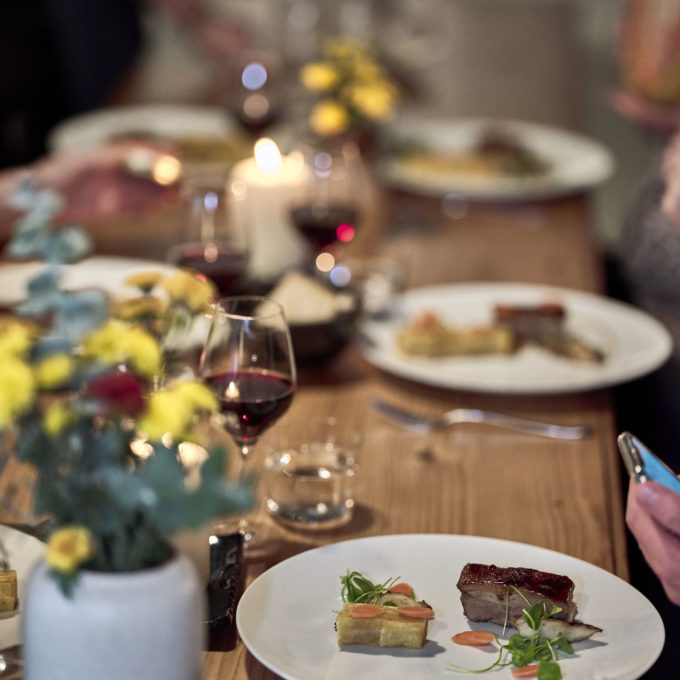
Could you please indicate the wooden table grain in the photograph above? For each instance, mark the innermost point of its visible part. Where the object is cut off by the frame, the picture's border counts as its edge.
(470, 479)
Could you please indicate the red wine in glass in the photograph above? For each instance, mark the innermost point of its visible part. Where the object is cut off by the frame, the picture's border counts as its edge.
(251, 400)
(224, 266)
(324, 224)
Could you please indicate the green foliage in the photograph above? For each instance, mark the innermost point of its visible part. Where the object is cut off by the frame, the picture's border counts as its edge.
(90, 469)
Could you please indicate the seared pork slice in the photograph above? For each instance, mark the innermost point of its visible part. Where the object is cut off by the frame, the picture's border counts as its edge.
(551, 628)
(490, 593)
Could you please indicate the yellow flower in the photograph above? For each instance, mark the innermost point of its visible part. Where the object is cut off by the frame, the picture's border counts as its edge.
(56, 418)
(118, 342)
(145, 281)
(168, 413)
(69, 547)
(53, 371)
(185, 287)
(143, 351)
(319, 76)
(374, 101)
(329, 118)
(17, 388)
(343, 49)
(196, 394)
(15, 338)
(139, 308)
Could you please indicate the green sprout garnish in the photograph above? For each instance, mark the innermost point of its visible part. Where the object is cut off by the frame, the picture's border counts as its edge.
(357, 588)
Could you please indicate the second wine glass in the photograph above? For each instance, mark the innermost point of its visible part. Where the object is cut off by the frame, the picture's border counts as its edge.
(249, 365)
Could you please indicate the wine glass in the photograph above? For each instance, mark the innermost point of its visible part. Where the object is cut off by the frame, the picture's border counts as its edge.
(326, 209)
(210, 242)
(249, 365)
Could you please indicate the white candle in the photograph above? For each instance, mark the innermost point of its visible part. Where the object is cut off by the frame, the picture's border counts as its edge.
(262, 190)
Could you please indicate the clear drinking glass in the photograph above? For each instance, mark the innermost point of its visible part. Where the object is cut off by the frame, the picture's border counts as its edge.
(248, 363)
(210, 242)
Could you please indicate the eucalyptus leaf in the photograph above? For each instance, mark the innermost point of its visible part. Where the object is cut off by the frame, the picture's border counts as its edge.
(80, 312)
(69, 244)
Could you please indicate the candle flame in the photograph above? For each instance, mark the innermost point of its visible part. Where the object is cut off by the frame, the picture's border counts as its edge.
(267, 155)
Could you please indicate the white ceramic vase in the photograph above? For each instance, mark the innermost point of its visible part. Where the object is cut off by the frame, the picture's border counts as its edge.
(143, 625)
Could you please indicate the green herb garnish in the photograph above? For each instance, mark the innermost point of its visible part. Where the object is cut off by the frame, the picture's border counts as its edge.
(357, 588)
(534, 648)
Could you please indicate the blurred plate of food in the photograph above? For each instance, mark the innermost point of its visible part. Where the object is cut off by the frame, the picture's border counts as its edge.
(201, 136)
(488, 159)
(514, 338)
(107, 273)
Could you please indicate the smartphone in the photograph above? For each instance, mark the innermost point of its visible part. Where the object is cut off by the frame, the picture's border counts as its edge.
(643, 465)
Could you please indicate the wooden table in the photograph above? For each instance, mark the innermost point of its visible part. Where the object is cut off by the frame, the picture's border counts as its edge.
(471, 479)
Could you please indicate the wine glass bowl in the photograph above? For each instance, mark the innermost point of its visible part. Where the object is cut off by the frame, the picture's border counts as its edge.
(325, 210)
(248, 364)
(210, 242)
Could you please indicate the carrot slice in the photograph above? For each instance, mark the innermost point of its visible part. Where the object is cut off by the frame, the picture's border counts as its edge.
(525, 671)
(402, 589)
(473, 638)
(365, 611)
(416, 612)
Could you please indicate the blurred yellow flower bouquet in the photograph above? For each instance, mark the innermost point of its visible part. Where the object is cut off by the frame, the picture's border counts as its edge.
(351, 89)
(83, 394)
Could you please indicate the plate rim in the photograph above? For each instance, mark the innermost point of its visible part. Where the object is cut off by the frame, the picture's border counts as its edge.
(500, 191)
(375, 355)
(507, 543)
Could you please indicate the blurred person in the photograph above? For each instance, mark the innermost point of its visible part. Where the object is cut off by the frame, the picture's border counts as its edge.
(646, 273)
(62, 57)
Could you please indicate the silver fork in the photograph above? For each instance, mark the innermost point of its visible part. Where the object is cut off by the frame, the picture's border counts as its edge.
(423, 424)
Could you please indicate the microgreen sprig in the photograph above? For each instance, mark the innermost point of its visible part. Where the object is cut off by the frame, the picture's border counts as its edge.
(357, 588)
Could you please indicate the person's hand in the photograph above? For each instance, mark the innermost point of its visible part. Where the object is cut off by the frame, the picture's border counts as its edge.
(93, 183)
(638, 109)
(670, 201)
(653, 515)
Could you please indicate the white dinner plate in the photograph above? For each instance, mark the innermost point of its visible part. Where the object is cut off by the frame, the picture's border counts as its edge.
(22, 552)
(162, 120)
(107, 273)
(285, 618)
(634, 343)
(574, 162)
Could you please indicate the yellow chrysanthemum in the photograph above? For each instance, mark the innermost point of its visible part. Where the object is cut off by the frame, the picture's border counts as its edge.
(144, 353)
(187, 288)
(329, 118)
(319, 76)
(168, 413)
(68, 548)
(15, 338)
(118, 342)
(139, 308)
(56, 418)
(17, 388)
(145, 281)
(343, 49)
(53, 371)
(196, 394)
(374, 101)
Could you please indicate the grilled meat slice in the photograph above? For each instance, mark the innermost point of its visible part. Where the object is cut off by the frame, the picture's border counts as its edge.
(489, 593)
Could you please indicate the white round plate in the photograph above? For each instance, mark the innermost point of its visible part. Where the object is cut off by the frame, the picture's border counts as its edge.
(633, 342)
(22, 552)
(575, 162)
(162, 120)
(285, 618)
(107, 273)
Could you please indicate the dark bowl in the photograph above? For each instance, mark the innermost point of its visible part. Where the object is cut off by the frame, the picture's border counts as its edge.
(317, 343)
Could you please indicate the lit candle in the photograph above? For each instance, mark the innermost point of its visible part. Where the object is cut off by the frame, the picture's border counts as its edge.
(262, 189)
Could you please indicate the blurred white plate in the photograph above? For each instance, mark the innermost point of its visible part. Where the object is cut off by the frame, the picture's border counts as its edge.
(634, 343)
(575, 162)
(285, 618)
(22, 552)
(160, 120)
(107, 273)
